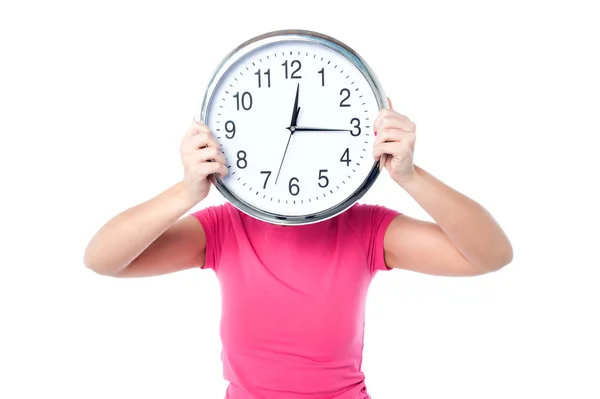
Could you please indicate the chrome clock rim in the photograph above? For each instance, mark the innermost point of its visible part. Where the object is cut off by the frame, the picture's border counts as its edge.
(278, 37)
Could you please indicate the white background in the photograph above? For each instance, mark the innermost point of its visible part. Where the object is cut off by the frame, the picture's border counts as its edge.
(94, 98)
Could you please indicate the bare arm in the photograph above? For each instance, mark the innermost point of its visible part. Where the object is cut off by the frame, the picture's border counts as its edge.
(464, 241)
(151, 238)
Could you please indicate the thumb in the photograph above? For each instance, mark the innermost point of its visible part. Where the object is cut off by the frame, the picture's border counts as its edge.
(390, 102)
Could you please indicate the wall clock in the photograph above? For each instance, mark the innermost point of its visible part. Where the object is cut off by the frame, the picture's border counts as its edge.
(293, 111)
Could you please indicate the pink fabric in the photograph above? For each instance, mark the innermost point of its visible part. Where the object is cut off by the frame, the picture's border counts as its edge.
(293, 300)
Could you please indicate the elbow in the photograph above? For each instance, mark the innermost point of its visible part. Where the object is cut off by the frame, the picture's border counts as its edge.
(508, 256)
(501, 258)
(94, 263)
(91, 258)
(88, 260)
(505, 257)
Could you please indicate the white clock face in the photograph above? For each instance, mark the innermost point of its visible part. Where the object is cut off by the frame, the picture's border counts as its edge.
(295, 122)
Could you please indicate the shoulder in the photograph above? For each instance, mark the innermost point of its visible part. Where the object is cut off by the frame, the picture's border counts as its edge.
(221, 210)
(217, 223)
(216, 215)
(365, 215)
(368, 221)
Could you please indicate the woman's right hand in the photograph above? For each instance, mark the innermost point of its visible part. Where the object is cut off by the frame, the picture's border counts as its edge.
(198, 150)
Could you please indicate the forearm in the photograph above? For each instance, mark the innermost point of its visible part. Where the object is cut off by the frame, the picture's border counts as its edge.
(468, 225)
(129, 233)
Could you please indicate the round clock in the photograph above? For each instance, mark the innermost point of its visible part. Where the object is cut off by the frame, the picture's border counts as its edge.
(293, 111)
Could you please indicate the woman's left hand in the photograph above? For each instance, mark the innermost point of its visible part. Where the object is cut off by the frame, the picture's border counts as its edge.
(395, 144)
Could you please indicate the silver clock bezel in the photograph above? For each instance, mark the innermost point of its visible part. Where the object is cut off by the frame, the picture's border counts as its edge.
(284, 36)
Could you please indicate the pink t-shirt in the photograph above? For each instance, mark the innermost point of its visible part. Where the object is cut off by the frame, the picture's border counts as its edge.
(293, 300)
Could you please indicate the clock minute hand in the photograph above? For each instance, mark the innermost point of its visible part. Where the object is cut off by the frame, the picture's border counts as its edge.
(319, 129)
(283, 158)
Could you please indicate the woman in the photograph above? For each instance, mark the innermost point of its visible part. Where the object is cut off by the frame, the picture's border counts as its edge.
(293, 298)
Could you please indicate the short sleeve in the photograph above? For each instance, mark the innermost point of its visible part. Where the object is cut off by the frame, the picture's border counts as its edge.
(370, 222)
(215, 222)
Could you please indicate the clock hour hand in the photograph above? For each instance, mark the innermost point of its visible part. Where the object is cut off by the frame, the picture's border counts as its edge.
(319, 129)
(296, 110)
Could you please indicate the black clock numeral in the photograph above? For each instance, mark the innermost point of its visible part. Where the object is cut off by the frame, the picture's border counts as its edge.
(323, 177)
(343, 102)
(268, 73)
(246, 100)
(322, 72)
(346, 157)
(294, 188)
(268, 173)
(356, 123)
(295, 62)
(230, 128)
(241, 155)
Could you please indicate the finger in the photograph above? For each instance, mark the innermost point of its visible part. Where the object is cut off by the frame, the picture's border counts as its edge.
(197, 121)
(222, 170)
(198, 141)
(208, 168)
(386, 112)
(206, 155)
(392, 119)
(390, 103)
(210, 154)
(204, 139)
(382, 161)
(397, 122)
(212, 180)
(386, 148)
(197, 127)
(390, 135)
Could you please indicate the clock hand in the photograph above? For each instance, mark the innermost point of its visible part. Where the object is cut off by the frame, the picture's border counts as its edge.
(292, 128)
(283, 158)
(318, 129)
(296, 110)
